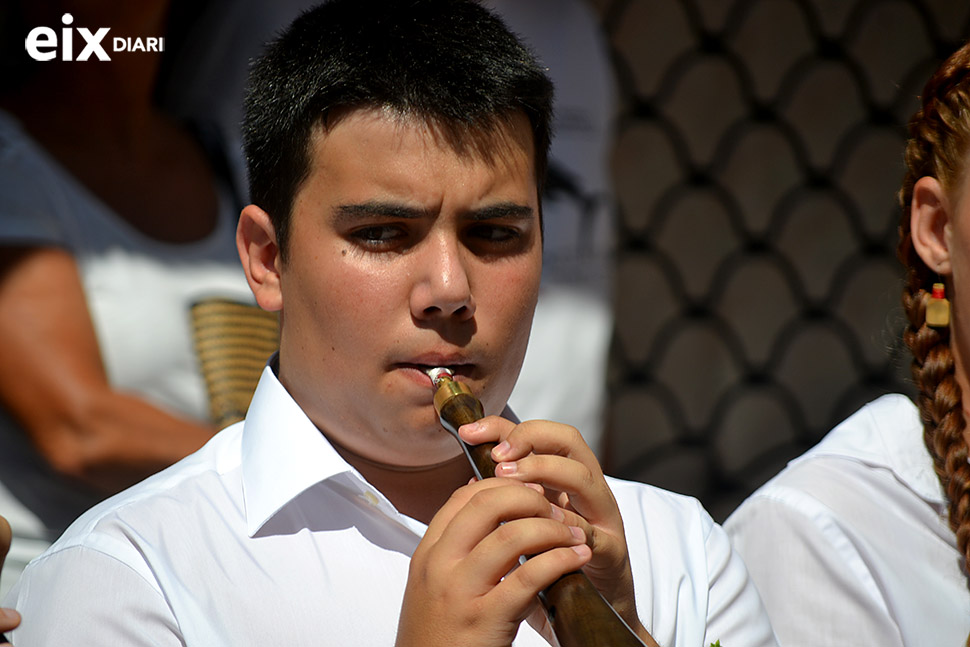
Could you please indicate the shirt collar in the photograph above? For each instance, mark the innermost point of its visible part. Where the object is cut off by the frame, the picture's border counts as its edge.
(283, 452)
(886, 433)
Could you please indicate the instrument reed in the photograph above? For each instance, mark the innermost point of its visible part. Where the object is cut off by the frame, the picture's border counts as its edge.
(578, 614)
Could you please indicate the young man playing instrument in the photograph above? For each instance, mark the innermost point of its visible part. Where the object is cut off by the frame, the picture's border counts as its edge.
(396, 152)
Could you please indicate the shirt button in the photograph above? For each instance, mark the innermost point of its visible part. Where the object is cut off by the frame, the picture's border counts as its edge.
(371, 498)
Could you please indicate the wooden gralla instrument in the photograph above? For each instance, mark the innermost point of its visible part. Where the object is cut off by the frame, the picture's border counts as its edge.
(578, 614)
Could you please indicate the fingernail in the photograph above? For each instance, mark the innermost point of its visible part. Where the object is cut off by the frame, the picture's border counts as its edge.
(582, 550)
(557, 513)
(471, 427)
(506, 469)
(501, 450)
(578, 533)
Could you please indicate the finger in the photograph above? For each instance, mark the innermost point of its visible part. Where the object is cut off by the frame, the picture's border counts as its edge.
(458, 500)
(521, 585)
(544, 437)
(568, 482)
(515, 441)
(9, 619)
(5, 538)
(502, 549)
(555, 457)
(491, 504)
(490, 429)
(586, 502)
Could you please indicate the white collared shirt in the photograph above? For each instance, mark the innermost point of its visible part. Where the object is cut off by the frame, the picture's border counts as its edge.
(850, 545)
(267, 537)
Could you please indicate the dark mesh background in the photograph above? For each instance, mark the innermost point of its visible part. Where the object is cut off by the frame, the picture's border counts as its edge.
(757, 160)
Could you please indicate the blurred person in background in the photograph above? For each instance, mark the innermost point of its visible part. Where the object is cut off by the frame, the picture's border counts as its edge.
(114, 219)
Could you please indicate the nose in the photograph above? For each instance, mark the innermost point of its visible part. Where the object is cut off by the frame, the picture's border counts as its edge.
(442, 289)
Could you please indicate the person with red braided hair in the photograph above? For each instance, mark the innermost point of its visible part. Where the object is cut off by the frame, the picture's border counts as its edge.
(865, 539)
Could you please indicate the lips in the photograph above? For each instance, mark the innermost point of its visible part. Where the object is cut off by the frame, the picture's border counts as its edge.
(459, 366)
(457, 369)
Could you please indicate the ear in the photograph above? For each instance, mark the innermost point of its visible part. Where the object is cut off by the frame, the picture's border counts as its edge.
(259, 253)
(930, 224)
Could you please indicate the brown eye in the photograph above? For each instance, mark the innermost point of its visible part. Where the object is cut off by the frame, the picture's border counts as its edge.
(494, 233)
(378, 236)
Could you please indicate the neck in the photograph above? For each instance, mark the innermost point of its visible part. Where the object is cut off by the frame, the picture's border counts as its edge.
(415, 490)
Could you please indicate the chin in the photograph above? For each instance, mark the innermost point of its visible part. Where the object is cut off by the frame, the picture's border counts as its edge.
(438, 443)
(425, 435)
(420, 455)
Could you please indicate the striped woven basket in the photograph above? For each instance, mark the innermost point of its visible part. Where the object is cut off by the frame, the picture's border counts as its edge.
(232, 341)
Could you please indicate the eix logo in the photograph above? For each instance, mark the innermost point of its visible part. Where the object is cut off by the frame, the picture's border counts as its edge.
(42, 44)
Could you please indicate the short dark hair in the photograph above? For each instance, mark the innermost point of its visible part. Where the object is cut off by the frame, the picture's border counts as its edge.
(449, 63)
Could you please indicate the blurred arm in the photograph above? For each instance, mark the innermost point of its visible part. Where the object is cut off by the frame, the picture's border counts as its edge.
(53, 381)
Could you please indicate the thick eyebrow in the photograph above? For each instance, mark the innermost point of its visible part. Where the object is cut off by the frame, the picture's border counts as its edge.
(501, 211)
(352, 212)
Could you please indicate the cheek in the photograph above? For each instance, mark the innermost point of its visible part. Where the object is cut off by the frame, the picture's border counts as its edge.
(525, 284)
(337, 300)
(513, 300)
(515, 297)
(356, 299)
